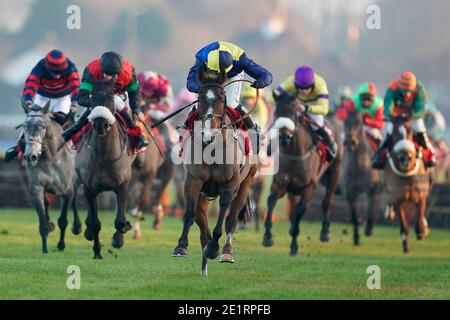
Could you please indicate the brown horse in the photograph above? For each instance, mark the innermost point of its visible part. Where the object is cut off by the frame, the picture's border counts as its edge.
(104, 164)
(206, 179)
(359, 177)
(300, 169)
(407, 179)
(143, 177)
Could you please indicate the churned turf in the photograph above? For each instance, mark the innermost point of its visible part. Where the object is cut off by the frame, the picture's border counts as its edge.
(144, 269)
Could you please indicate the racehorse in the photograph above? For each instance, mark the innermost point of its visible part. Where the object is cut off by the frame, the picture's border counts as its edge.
(104, 164)
(207, 180)
(145, 173)
(49, 170)
(407, 179)
(359, 177)
(301, 167)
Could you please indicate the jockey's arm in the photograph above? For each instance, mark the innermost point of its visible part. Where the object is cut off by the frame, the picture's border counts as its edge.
(192, 84)
(262, 76)
(74, 82)
(287, 87)
(134, 95)
(31, 85)
(321, 105)
(388, 103)
(377, 121)
(419, 103)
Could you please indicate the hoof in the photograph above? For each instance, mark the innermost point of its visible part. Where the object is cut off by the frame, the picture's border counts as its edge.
(88, 234)
(324, 236)
(356, 241)
(227, 258)
(267, 241)
(293, 253)
(98, 256)
(369, 231)
(137, 234)
(117, 240)
(61, 246)
(405, 247)
(157, 225)
(127, 227)
(180, 252)
(51, 226)
(211, 250)
(77, 229)
(423, 235)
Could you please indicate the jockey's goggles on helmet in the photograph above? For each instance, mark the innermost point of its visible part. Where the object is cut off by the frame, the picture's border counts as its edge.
(309, 86)
(366, 97)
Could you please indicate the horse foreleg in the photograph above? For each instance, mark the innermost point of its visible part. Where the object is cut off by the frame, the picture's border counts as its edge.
(121, 224)
(62, 220)
(277, 191)
(297, 214)
(404, 228)
(192, 188)
(351, 199)
(333, 180)
(201, 218)
(211, 250)
(165, 173)
(257, 192)
(93, 225)
(422, 230)
(37, 197)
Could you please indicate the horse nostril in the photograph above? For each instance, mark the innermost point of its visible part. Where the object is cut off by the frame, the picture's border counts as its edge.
(33, 158)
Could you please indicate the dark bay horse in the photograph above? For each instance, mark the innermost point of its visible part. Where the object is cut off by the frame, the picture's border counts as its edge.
(230, 179)
(144, 174)
(104, 164)
(359, 177)
(49, 171)
(407, 179)
(300, 169)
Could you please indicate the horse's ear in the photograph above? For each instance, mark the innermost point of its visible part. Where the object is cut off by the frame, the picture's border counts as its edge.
(46, 107)
(201, 75)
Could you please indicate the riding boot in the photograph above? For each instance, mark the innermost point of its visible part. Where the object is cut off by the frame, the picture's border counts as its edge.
(60, 118)
(331, 143)
(13, 152)
(81, 121)
(424, 142)
(141, 140)
(380, 156)
(251, 125)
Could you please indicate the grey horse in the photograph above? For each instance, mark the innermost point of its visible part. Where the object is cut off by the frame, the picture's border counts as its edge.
(49, 171)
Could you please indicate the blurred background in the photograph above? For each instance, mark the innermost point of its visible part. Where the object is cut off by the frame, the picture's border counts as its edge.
(330, 35)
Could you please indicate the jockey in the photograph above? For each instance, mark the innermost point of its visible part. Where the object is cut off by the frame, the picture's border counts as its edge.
(404, 95)
(343, 103)
(110, 66)
(157, 100)
(54, 78)
(312, 92)
(434, 122)
(371, 105)
(225, 55)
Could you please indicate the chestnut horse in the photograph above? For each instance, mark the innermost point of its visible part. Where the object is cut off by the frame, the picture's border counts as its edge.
(407, 179)
(206, 180)
(300, 169)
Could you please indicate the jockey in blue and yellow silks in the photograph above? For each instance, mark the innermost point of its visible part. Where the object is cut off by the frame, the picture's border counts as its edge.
(312, 92)
(233, 59)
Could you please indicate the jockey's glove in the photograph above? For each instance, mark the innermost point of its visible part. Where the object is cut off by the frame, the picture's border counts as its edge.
(258, 84)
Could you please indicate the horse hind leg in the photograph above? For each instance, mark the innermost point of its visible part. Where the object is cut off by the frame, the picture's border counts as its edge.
(374, 200)
(333, 179)
(51, 225)
(121, 224)
(62, 221)
(76, 226)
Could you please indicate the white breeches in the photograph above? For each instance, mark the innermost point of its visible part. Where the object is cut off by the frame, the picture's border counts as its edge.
(56, 104)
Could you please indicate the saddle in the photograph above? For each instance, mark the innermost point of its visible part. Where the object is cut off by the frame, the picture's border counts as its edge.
(80, 138)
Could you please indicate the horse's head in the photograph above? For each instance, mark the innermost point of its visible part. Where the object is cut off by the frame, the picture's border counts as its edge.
(353, 129)
(211, 102)
(404, 149)
(285, 119)
(102, 115)
(35, 130)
